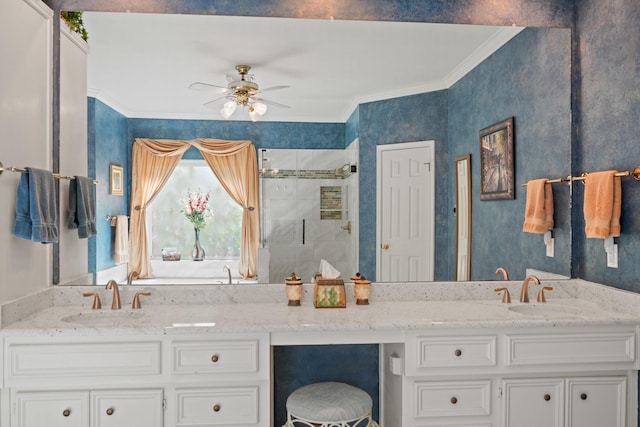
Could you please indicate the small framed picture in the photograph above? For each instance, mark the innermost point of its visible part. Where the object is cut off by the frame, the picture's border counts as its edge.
(116, 180)
(496, 161)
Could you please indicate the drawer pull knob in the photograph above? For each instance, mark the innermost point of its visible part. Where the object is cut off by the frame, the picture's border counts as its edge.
(215, 358)
(583, 396)
(66, 412)
(110, 411)
(216, 408)
(547, 397)
(454, 400)
(458, 352)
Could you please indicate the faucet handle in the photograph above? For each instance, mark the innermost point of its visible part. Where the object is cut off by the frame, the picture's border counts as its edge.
(506, 298)
(136, 299)
(541, 297)
(96, 300)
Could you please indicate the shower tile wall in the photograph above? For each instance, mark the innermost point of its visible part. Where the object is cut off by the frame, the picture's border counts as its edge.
(287, 202)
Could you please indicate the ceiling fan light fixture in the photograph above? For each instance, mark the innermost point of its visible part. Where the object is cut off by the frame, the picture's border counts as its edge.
(228, 109)
(256, 110)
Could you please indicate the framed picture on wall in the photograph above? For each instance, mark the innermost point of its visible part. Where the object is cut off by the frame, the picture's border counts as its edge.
(116, 180)
(496, 161)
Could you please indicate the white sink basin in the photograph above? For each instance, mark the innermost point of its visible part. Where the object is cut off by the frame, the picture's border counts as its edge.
(546, 310)
(104, 317)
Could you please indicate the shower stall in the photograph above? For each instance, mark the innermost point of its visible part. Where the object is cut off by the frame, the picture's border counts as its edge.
(309, 211)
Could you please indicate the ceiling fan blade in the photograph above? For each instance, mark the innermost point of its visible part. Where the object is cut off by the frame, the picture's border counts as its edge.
(266, 101)
(273, 88)
(208, 87)
(210, 103)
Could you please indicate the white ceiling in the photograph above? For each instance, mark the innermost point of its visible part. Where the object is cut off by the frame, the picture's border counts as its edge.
(142, 64)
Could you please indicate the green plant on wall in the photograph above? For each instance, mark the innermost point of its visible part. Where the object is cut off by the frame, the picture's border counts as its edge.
(74, 21)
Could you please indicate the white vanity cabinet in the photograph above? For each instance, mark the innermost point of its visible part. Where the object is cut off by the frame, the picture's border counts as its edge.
(570, 402)
(138, 381)
(221, 382)
(100, 408)
(527, 377)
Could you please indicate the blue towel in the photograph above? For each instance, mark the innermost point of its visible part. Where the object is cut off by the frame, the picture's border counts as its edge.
(82, 207)
(36, 207)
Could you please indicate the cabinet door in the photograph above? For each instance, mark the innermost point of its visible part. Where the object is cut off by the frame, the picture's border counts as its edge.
(127, 408)
(597, 402)
(51, 409)
(533, 403)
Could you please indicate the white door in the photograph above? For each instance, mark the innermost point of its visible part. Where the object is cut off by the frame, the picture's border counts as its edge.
(597, 402)
(51, 409)
(533, 402)
(406, 198)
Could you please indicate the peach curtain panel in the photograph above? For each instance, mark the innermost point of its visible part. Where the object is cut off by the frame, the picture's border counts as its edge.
(153, 164)
(235, 165)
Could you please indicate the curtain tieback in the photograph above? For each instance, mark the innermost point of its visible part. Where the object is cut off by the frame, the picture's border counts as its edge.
(138, 208)
(250, 209)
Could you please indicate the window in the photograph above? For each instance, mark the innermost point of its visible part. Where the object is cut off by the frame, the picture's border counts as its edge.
(168, 227)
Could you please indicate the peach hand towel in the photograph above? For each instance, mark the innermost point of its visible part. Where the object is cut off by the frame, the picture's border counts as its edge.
(538, 212)
(121, 246)
(602, 205)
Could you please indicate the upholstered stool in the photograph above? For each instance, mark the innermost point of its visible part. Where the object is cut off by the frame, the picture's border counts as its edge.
(329, 404)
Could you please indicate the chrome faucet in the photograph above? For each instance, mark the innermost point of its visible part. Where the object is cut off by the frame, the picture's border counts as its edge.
(505, 275)
(115, 304)
(131, 276)
(524, 293)
(228, 270)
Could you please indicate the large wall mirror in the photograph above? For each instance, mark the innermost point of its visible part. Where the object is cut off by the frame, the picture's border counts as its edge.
(487, 92)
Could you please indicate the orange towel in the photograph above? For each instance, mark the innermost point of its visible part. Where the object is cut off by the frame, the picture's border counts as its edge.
(538, 212)
(602, 205)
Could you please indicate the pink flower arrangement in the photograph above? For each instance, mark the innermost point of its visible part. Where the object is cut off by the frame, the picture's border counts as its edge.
(194, 207)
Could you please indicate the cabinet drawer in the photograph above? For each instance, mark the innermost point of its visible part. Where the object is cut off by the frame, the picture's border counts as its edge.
(216, 357)
(451, 398)
(439, 352)
(217, 406)
(571, 348)
(73, 360)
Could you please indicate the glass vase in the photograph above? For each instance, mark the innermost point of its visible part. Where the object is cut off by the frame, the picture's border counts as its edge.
(198, 250)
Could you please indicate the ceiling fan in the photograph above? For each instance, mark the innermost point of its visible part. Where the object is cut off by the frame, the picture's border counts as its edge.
(241, 90)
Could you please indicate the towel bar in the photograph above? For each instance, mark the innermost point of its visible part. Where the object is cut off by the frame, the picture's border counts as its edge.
(24, 170)
(635, 173)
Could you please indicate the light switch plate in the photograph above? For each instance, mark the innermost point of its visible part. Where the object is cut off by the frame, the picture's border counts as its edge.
(612, 257)
(551, 248)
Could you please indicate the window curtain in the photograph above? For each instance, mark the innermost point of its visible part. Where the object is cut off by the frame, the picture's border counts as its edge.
(233, 162)
(236, 166)
(153, 163)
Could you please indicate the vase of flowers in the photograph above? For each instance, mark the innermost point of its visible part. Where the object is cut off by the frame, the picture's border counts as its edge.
(194, 207)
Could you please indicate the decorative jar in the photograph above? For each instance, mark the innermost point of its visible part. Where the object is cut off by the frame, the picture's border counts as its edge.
(294, 289)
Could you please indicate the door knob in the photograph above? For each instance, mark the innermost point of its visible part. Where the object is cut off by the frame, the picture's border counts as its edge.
(384, 246)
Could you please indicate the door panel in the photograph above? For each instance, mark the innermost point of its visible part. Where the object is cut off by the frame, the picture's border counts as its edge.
(405, 212)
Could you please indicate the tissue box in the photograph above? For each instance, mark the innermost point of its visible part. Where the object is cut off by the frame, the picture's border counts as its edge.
(329, 293)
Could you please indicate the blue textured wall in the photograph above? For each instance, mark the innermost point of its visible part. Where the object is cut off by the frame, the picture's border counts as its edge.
(410, 118)
(107, 141)
(608, 125)
(528, 78)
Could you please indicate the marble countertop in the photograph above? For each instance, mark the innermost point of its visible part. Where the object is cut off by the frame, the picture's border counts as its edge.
(255, 308)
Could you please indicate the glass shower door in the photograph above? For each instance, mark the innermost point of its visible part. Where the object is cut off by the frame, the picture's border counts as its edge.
(309, 207)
